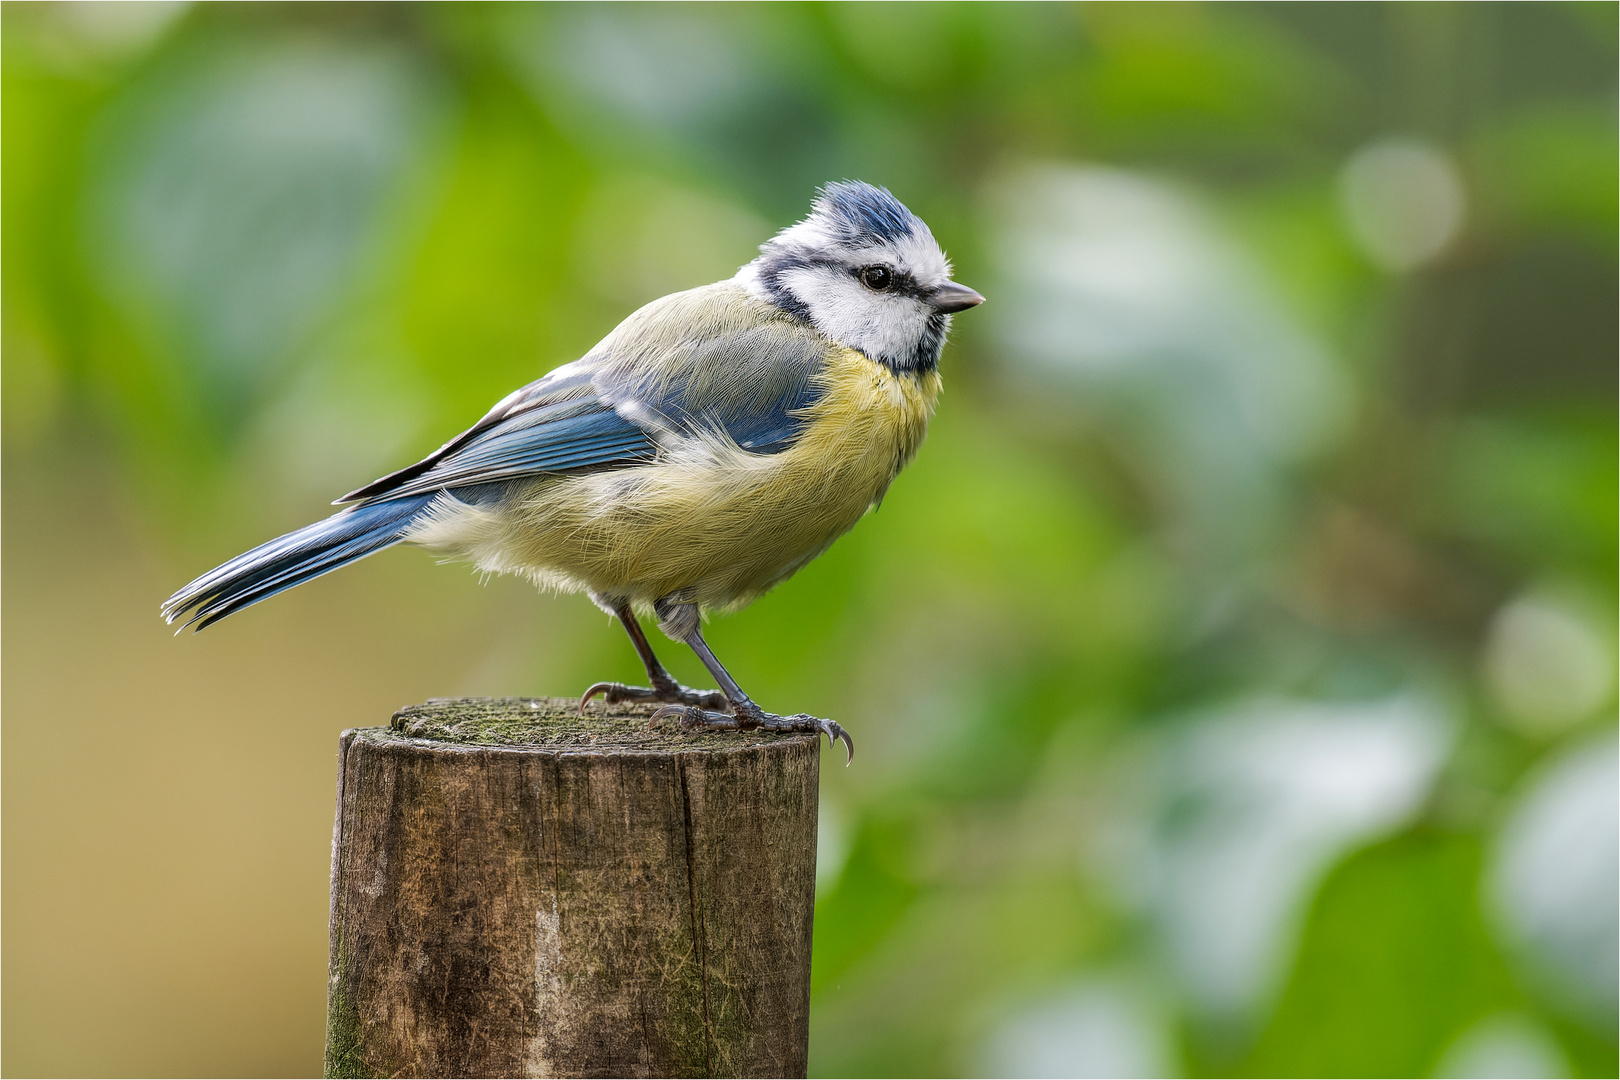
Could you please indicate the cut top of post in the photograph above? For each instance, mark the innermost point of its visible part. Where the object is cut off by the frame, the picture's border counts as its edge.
(555, 724)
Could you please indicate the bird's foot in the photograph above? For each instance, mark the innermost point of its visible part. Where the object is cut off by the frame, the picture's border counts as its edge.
(693, 718)
(671, 692)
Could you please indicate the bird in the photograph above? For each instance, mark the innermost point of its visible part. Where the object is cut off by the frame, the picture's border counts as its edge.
(710, 446)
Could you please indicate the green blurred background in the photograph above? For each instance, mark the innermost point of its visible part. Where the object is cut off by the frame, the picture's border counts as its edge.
(1234, 671)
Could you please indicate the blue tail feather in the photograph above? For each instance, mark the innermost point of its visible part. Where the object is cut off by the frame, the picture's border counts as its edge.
(295, 558)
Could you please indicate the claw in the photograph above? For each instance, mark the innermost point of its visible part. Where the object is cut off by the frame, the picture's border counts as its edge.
(834, 734)
(599, 688)
(670, 691)
(693, 718)
(666, 711)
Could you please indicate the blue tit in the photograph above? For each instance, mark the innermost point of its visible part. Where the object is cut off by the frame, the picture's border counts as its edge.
(711, 445)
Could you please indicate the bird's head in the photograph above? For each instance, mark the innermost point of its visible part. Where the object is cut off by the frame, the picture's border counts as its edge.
(866, 272)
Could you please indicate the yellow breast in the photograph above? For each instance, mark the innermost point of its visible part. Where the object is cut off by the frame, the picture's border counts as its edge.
(715, 523)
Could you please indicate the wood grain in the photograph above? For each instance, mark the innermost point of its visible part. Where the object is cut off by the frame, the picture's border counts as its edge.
(518, 891)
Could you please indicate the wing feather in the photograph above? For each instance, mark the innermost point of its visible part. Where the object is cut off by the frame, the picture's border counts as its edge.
(709, 360)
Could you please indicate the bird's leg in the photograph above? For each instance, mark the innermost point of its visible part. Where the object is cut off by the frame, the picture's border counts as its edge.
(663, 688)
(745, 715)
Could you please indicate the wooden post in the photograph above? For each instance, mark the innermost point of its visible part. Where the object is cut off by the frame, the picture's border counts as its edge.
(520, 891)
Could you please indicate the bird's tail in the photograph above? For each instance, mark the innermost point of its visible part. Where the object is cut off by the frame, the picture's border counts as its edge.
(295, 558)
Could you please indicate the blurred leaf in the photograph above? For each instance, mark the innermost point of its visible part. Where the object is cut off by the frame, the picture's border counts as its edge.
(1539, 490)
(232, 195)
(1394, 963)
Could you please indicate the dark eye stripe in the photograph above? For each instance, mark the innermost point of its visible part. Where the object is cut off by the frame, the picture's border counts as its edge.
(777, 263)
(906, 285)
(901, 283)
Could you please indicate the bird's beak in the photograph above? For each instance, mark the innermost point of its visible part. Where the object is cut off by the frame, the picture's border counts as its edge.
(951, 297)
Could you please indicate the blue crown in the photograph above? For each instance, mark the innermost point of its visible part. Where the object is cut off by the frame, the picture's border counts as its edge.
(861, 213)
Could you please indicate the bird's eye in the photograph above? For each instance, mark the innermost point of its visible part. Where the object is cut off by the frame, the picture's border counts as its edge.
(877, 278)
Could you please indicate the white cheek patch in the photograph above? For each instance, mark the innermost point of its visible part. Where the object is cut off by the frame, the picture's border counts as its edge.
(886, 326)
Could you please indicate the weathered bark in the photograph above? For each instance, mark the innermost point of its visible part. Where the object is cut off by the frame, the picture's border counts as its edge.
(518, 891)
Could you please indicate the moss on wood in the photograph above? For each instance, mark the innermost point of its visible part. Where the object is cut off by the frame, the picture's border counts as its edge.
(556, 724)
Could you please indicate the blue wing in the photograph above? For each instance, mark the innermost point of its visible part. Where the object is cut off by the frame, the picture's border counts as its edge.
(558, 423)
(710, 360)
(752, 384)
